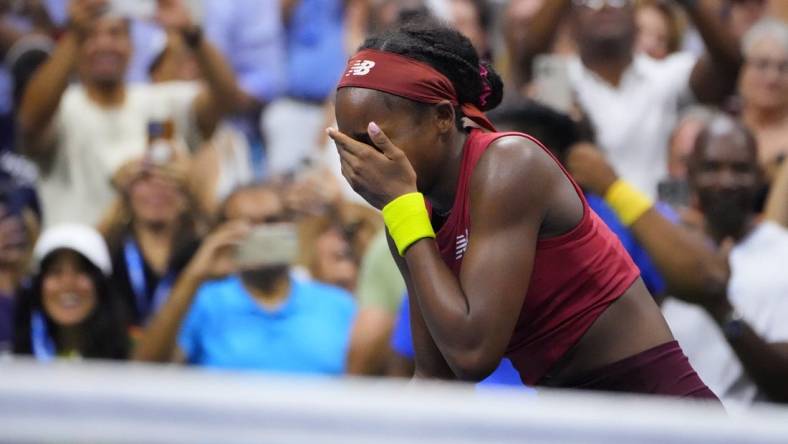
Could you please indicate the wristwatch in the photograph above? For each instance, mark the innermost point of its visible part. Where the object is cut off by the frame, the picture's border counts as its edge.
(732, 325)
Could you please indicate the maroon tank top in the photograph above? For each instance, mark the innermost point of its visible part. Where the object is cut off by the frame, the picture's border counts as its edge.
(575, 276)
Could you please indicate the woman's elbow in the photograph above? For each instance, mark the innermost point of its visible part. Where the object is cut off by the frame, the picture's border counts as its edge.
(473, 365)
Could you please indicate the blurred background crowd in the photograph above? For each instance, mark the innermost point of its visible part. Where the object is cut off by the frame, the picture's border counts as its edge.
(168, 194)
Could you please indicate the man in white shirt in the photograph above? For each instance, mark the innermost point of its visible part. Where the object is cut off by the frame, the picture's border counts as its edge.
(632, 100)
(738, 342)
(81, 134)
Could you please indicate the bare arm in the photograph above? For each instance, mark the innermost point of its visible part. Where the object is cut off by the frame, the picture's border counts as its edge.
(42, 95)
(714, 76)
(158, 341)
(766, 363)
(213, 259)
(429, 361)
(223, 95)
(528, 38)
(690, 267)
(777, 203)
(41, 98)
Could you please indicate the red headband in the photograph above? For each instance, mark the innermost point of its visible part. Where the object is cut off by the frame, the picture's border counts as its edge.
(402, 76)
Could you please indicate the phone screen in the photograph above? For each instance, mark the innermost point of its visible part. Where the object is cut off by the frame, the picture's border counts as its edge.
(269, 245)
(551, 83)
(134, 9)
(674, 192)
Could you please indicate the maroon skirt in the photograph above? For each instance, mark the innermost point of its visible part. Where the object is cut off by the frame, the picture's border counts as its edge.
(662, 370)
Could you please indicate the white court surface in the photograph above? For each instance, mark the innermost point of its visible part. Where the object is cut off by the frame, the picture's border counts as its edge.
(103, 403)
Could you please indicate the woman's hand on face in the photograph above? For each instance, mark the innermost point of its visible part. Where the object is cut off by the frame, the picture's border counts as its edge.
(378, 175)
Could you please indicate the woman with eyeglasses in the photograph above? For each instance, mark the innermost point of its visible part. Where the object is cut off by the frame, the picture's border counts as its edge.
(763, 86)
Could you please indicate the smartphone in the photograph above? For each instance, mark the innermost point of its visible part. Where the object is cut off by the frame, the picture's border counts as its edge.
(146, 9)
(551, 82)
(160, 145)
(674, 192)
(134, 9)
(268, 245)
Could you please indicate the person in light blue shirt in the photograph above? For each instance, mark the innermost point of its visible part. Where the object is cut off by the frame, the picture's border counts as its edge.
(308, 333)
(240, 308)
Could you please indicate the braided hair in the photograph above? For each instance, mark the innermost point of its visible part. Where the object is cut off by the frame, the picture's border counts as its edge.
(450, 53)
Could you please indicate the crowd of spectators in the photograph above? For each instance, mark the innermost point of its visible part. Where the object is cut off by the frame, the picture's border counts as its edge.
(168, 193)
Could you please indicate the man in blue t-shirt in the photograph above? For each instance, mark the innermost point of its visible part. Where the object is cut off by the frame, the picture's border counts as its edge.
(224, 313)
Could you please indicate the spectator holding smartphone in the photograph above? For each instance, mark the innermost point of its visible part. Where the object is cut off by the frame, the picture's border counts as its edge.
(152, 233)
(225, 314)
(80, 134)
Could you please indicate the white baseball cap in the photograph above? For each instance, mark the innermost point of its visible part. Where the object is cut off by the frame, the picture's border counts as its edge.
(82, 239)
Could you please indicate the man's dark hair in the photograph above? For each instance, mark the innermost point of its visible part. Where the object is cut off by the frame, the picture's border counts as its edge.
(557, 131)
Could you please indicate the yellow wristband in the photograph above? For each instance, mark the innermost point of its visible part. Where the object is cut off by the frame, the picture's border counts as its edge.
(627, 201)
(407, 220)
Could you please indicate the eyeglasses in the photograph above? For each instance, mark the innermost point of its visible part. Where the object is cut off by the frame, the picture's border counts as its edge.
(762, 64)
(597, 5)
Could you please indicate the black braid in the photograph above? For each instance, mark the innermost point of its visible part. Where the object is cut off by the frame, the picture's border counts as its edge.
(449, 52)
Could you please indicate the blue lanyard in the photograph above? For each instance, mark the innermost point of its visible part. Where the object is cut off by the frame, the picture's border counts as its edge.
(136, 271)
(43, 346)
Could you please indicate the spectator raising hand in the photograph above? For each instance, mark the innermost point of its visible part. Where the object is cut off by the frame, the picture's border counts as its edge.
(83, 15)
(89, 129)
(697, 274)
(632, 100)
(215, 258)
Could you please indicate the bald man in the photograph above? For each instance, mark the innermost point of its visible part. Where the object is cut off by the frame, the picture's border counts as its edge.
(738, 341)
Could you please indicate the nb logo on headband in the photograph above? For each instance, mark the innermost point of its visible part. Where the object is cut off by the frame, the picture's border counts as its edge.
(360, 68)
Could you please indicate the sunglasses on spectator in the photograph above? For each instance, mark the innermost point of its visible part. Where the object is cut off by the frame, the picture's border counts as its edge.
(763, 64)
(597, 5)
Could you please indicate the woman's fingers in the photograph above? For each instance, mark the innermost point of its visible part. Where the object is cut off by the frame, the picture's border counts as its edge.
(349, 145)
(382, 141)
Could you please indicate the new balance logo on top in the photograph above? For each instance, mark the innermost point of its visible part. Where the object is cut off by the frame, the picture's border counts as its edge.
(360, 68)
(462, 245)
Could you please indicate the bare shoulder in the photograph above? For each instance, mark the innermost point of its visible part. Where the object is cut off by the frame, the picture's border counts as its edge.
(515, 166)
(515, 163)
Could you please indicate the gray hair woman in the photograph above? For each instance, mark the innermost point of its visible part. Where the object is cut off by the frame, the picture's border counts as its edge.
(763, 85)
